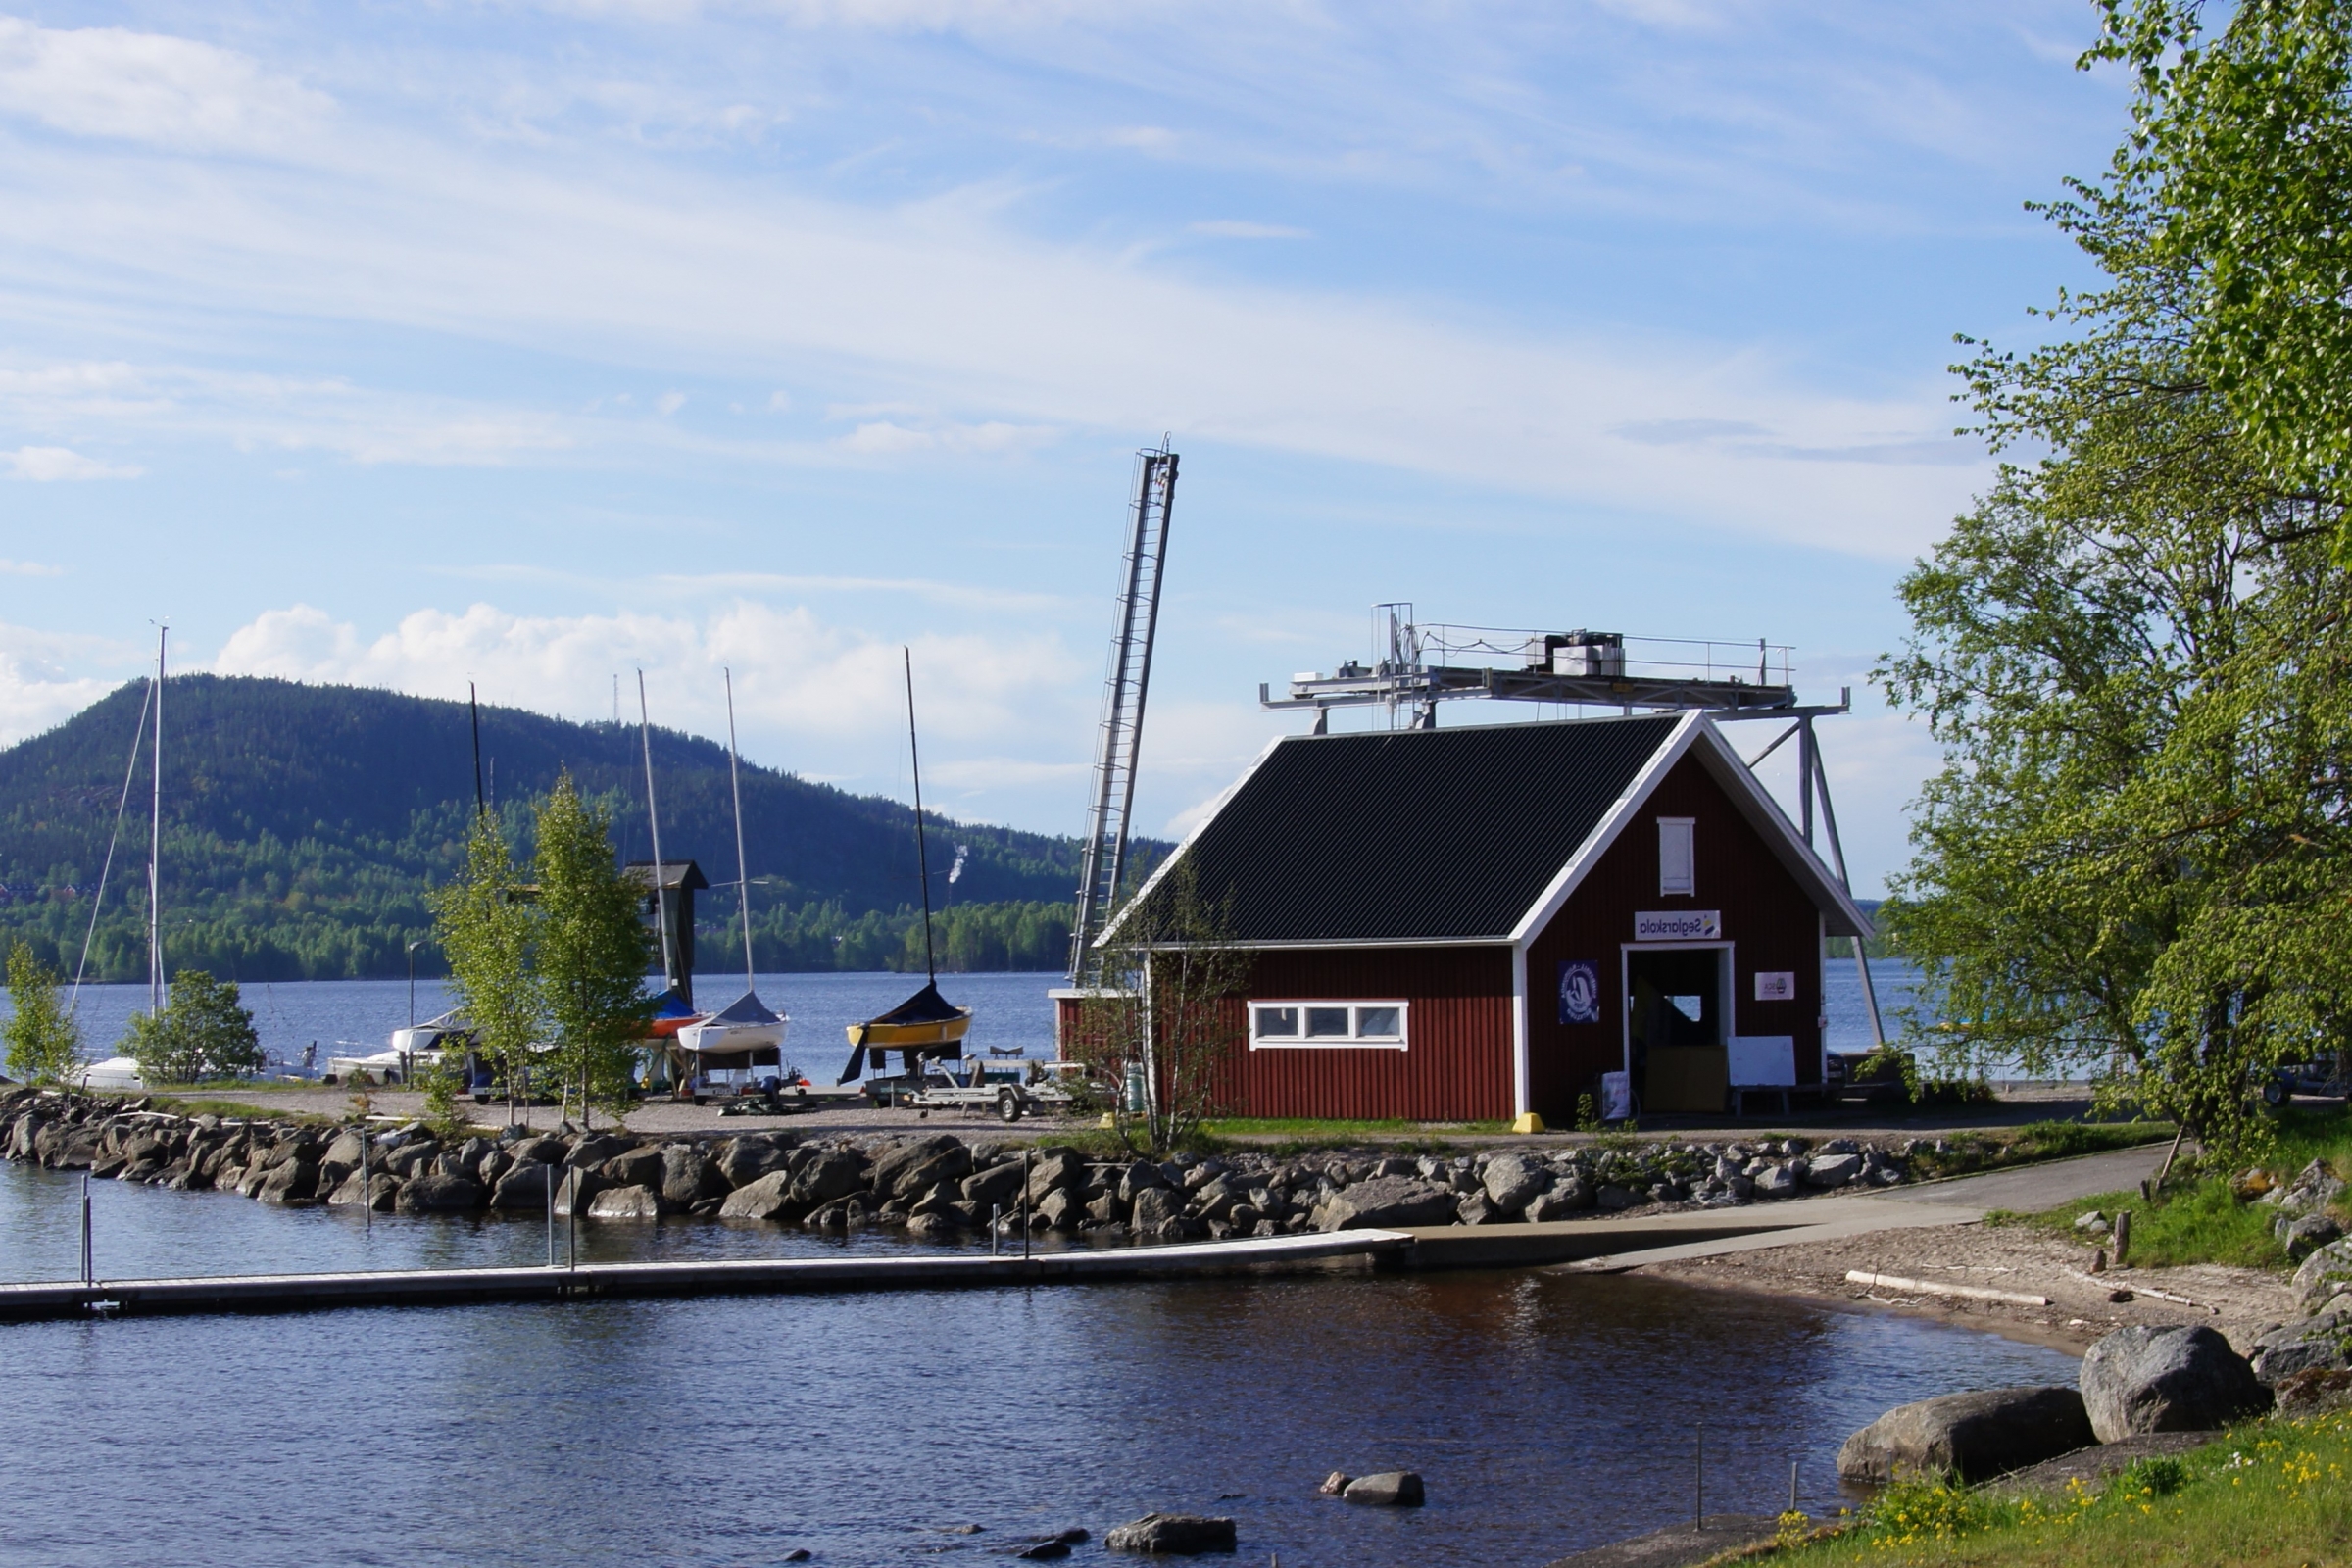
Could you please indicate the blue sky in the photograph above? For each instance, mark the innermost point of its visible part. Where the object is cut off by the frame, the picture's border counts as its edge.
(534, 344)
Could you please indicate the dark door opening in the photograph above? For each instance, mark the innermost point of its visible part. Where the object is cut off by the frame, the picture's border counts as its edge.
(1680, 1036)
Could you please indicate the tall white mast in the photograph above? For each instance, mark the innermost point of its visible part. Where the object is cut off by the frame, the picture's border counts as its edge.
(743, 871)
(653, 813)
(155, 844)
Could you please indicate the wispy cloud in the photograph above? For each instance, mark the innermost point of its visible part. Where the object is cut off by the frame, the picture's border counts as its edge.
(49, 465)
(1239, 228)
(30, 569)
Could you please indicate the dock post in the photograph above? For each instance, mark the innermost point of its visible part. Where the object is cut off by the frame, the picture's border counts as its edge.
(996, 1227)
(1699, 1479)
(1024, 1205)
(89, 1259)
(550, 1216)
(367, 1181)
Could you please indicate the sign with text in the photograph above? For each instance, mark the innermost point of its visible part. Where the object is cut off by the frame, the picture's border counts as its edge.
(1677, 925)
(1776, 985)
(1580, 991)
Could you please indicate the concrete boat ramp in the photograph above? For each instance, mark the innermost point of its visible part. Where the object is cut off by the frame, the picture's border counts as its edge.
(1600, 1245)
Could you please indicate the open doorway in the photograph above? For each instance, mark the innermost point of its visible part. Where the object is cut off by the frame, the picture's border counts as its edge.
(1677, 1027)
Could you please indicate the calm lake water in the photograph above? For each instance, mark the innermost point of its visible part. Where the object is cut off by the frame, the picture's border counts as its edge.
(1547, 1412)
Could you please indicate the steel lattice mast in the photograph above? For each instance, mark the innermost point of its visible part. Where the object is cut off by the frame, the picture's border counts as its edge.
(1120, 735)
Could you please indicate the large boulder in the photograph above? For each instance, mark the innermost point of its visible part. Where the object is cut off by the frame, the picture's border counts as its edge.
(526, 1187)
(1513, 1180)
(1140, 1177)
(998, 1185)
(638, 1167)
(2325, 1274)
(2176, 1378)
(435, 1194)
(1054, 1169)
(345, 1149)
(638, 1202)
(1060, 1210)
(1969, 1437)
(1154, 1207)
(1831, 1170)
(380, 1193)
(902, 1159)
(767, 1198)
(2300, 1346)
(951, 1164)
(1174, 1535)
(1386, 1201)
(831, 1174)
(1391, 1489)
(594, 1148)
(1572, 1195)
(687, 1177)
(576, 1189)
(547, 1149)
(294, 1182)
(742, 1160)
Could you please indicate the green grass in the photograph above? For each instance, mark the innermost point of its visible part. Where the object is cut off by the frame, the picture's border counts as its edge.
(2199, 1218)
(2266, 1496)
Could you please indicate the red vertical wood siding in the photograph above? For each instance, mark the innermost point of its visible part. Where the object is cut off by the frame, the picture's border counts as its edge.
(1457, 1062)
(1767, 916)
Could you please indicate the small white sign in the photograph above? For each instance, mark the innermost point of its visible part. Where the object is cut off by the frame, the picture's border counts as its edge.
(1677, 925)
(1776, 985)
(1616, 1095)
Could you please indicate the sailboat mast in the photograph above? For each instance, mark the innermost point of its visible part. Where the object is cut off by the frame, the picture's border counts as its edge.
(155, 844)
(922, 856)
(653, 813)
(743, 871)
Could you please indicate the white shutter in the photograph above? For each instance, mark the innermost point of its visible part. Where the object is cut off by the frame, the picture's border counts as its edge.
(1677, 862)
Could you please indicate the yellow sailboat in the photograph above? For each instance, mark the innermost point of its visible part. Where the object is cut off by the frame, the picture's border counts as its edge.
(926, 1024)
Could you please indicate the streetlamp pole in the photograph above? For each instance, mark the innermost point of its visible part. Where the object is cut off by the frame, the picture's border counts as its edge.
(412, 947)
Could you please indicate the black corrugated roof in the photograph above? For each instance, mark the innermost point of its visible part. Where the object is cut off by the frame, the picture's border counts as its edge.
(1414, 835)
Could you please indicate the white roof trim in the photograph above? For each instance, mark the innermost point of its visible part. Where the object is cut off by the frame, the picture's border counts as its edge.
(1118, 916)
(1724, 761)
(1597, 843)
(1841, 915)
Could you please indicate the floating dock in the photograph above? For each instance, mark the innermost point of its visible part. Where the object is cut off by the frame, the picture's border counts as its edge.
(449, 1286)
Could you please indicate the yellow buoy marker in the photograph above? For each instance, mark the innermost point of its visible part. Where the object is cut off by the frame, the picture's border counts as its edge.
(1528, 1123)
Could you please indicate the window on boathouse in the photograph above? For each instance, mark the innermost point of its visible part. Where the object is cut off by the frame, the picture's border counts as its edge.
(1327, 1023)
(1678, 855)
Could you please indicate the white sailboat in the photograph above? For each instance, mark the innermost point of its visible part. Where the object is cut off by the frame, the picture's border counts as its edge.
(123, 1072)
(738, 1050)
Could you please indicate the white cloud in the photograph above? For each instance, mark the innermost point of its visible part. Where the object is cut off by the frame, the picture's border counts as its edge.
(1008, 337)
(150, 87)
(797, 680)
(30, 569)
(886, 438)
(1239, 228)
(45, 679)
(46, 464)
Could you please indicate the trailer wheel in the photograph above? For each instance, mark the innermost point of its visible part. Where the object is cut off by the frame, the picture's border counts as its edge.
(1009, 1105)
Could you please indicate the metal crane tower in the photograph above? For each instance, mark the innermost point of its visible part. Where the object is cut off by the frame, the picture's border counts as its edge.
(1120, 734)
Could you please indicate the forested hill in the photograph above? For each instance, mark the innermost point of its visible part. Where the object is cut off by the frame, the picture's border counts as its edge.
(302, 825)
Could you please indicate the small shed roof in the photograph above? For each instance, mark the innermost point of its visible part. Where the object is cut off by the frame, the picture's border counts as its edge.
(675, 876)
(1467, 835)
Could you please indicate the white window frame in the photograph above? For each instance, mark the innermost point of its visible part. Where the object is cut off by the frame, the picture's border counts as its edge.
(1355, 1039)
(1688, 828)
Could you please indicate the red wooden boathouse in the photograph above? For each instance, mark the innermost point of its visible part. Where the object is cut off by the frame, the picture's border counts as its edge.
(1479, 923)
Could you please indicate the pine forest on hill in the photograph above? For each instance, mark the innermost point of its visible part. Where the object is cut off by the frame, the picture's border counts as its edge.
(303, 825)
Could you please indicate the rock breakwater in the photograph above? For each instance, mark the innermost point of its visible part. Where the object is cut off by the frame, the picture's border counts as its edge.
(936, 1186)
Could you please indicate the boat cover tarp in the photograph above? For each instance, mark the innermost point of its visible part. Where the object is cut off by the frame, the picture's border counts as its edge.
(926, 1005)
(746, 1009)
(669, 1005)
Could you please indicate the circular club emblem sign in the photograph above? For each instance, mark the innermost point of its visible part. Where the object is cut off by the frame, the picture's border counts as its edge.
(1580, 992)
